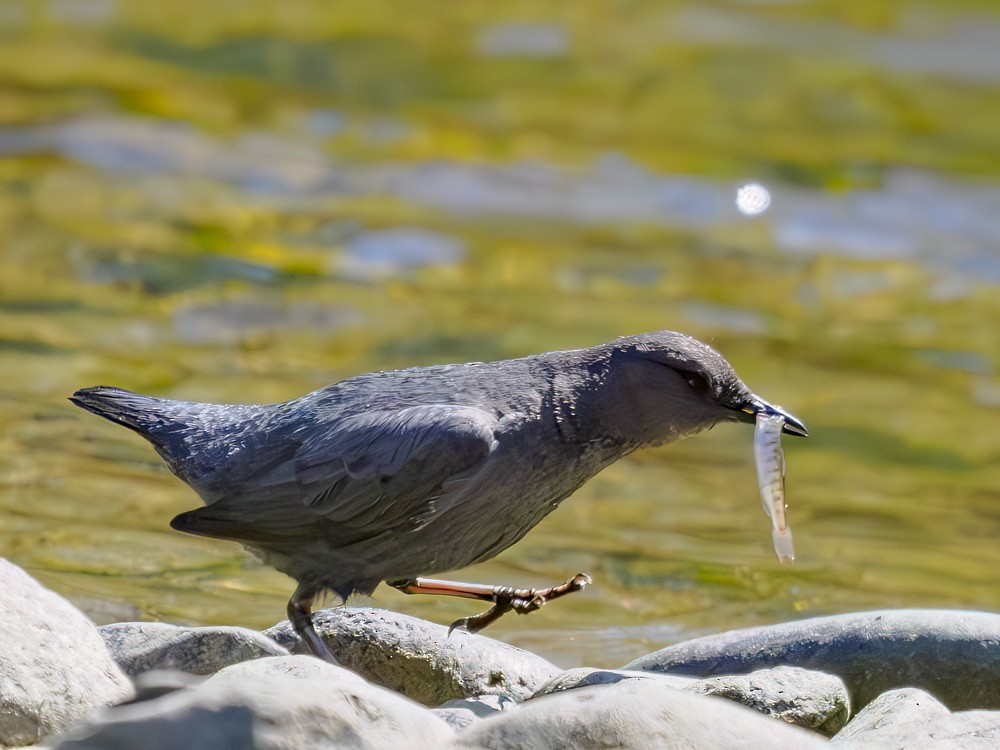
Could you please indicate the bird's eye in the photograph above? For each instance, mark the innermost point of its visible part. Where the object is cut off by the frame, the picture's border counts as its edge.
(698, 382)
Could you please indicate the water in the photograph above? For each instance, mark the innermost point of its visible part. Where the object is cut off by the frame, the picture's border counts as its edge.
(200, 211)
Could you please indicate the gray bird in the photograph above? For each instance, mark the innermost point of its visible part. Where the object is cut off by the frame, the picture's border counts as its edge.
(393, 475)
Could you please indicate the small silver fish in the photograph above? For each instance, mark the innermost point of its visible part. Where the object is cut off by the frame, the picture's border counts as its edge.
(770, 460)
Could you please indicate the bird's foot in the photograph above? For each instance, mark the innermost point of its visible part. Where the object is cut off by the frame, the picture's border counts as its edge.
(521, 601)
(300, 615)
(505, 598)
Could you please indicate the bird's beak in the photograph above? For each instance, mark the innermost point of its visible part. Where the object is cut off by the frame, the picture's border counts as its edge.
(748, 411)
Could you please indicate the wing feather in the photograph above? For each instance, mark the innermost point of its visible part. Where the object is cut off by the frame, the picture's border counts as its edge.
(377, 472)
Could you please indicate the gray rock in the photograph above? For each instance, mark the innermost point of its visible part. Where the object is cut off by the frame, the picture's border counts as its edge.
(580, 677)
(912, 719)
(812, 700)
(270, 713)
(419, 659)
(144, 646)
(634, 713)
(54, 668)
(954, 655)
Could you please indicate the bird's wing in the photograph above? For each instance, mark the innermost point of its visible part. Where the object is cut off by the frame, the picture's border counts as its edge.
(365, 475)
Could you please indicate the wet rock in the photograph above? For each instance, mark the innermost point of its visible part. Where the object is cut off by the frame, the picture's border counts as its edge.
(54, 668)
(915, 720)
(954, 655)
(419, 659)
(812, 700)
(269, 713)
(144, 646)
(634, 713)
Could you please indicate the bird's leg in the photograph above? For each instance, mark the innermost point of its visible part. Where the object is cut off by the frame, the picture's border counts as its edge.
(504, 598)
(300, 615)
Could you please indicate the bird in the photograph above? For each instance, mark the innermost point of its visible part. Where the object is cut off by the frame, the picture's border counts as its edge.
(399, 474)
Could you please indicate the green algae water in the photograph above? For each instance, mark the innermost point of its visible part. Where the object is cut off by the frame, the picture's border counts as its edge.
(245, 205)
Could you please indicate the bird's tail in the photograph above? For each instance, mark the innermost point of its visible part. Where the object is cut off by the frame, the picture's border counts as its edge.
(187, 435)
(138, 413)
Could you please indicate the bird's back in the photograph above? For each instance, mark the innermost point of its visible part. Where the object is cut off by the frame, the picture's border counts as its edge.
(225, 449)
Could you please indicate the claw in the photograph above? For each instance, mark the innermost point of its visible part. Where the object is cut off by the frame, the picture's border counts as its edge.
(521, 601)
(475, 623)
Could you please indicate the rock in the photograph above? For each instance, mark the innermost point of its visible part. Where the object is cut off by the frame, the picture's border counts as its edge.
(144, 646)
(952, 654)
(906, 706)
(580, 677)
(915, 720)
(419, 659)
(295, 665)
(811, 700)
(54, 668)
(269, 713)
(634, 713)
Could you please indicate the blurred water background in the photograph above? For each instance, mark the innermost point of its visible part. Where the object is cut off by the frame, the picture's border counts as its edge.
(243, 201)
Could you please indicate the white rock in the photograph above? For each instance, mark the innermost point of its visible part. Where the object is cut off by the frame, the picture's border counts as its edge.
(634, 714)
(269, 713)
(913, 719)
(54, 668)
(812, 700)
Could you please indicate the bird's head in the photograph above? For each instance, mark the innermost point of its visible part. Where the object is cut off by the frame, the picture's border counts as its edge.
(661, 386)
